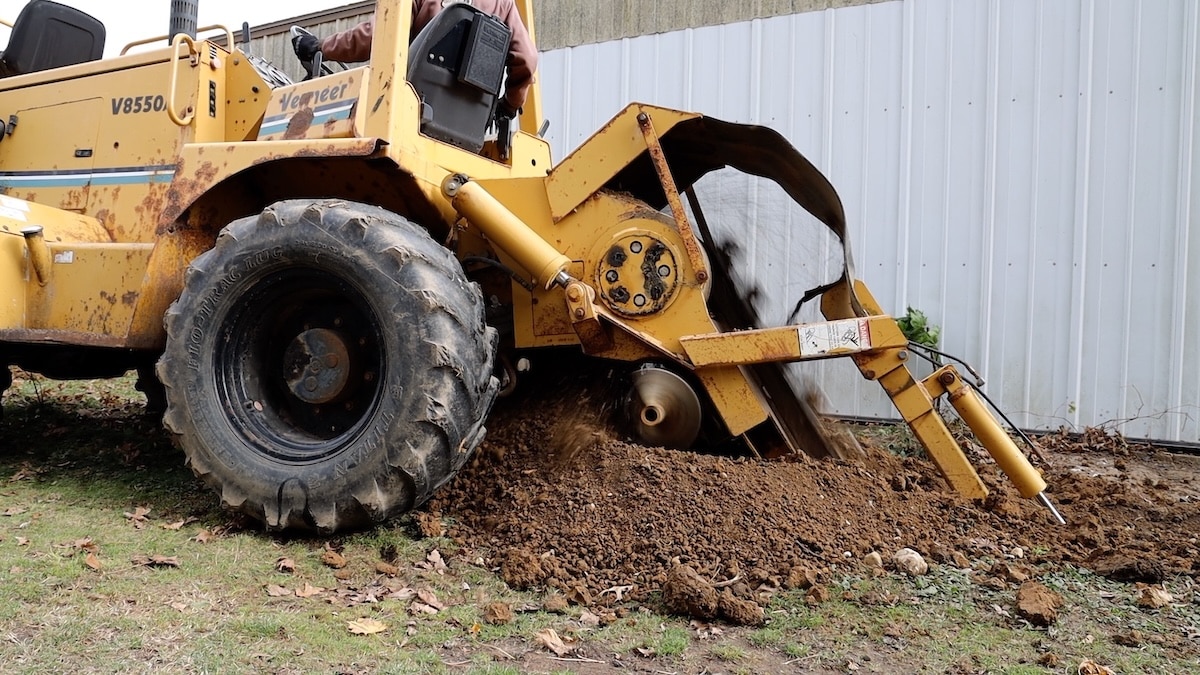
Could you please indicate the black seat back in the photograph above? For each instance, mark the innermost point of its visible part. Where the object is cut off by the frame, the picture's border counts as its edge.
(50, 35)
(456, 64)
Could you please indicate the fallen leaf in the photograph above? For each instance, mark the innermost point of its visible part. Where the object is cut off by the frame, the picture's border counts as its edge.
(1090, 667)
(277, 591)
(203, 537)
(309, 591)
(333, 559)
(421, 608)
(179, 525)
(92, 561)
(1153, 597)
(618, 591)
(285, 565)
(366, 626)
(426, 596)
(435, 558)
(402, 594)
(138, 517)
(14, 510)
(588, 619)
(550, 640)
(22, 541)
(155, 561)
(178, 606)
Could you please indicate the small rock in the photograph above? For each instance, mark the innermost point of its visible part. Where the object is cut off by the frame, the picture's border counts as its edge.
(961, 561)
(910, 562)
(873, 559)
(1037, 604)
(1153, 597)
(1018, 552)
(498, 613)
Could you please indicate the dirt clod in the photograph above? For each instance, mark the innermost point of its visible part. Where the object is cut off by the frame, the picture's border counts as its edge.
(429, 523)
(1123, 567)
(1037, 604)
(555, 604)
(498, 613)
(686, 594)
(739, 612)
(521, 569)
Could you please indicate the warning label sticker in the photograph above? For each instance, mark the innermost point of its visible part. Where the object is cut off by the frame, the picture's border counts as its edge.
(835, 337)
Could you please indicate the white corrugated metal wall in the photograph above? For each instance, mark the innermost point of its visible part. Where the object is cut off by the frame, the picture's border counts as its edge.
(1024, 171)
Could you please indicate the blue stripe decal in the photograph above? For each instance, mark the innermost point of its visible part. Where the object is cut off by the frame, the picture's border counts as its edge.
(130, 175)
(321, 114)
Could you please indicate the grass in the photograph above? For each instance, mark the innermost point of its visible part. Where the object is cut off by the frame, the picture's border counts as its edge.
(82, 472)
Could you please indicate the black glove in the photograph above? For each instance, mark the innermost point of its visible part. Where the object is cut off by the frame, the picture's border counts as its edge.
(306, 46)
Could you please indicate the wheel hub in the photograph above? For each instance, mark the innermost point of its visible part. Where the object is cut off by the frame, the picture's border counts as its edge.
(317, 366)
(664, 408)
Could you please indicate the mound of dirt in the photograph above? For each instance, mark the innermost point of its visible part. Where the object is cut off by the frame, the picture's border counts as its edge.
(607, 520)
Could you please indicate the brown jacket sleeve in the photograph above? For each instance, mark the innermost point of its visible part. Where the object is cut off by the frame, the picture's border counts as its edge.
(522, 53)
(349, 46)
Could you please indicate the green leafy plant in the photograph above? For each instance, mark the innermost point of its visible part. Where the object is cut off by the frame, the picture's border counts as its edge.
(916, 327)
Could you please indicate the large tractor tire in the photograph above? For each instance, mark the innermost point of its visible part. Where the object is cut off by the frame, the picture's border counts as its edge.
(327, 366)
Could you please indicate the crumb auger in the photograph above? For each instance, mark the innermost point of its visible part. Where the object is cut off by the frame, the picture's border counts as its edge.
(326, 283)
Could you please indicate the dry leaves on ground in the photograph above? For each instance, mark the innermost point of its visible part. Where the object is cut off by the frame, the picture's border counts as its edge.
(154, 561)
(138, 517)
(178, 525)
(366, 626)
(308, 591)
(551, 640)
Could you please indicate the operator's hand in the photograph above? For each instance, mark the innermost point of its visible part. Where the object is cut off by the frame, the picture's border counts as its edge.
(504, 111)
(306, 46)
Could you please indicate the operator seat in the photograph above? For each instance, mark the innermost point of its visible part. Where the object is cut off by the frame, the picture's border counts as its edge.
(51, 35)
(456, 64)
